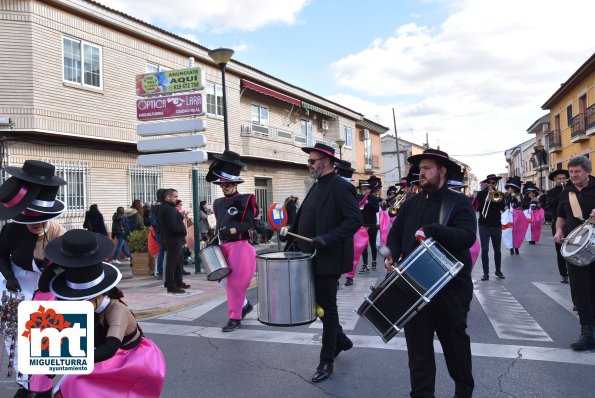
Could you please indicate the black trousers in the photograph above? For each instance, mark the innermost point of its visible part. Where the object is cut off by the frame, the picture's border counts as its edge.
(372, 232)
(446, 315)
(495, 234)
(582, 287)
(561, 260)
(325, 290)
(174, 262)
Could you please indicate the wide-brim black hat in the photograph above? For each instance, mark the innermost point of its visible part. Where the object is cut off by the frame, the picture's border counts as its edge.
(363, 184)
(437, 155)
(344, 169)
(84, 283)
(34, 217)
(37, 172)
(375, 182)
(392, 190)
(79, 248)
(530, 186)
(491, 177)
(413, 175)
(554, 173)
(226, 168)
(322, 149)
(15, 196)
(46, 202)
(514, 182)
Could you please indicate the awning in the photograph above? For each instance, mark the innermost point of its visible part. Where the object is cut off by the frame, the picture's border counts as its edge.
(319, 110)
(269, 92)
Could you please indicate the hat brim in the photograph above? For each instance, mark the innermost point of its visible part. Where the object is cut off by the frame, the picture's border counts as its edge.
(226, 181)
(554, 173)
(506, 186)
(43, 217)
(322, 152)
(111, 277)
(491, 179)
(53, 181)
(58, 207)
(53, 251)
(229, 160)
(450, 165)
(8, 212)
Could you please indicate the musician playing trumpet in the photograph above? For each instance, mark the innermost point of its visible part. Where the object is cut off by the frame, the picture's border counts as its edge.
(490, 208)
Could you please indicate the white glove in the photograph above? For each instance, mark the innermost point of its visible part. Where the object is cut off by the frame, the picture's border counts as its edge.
(420, 235)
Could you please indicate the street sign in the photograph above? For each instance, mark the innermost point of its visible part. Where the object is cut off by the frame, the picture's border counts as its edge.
(277, 216)
(170, 81)
(173, 143)
(172, 127)
(169, 158)
(171, 106)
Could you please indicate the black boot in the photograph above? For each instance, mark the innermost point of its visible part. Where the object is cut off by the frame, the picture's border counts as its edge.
(586, 341)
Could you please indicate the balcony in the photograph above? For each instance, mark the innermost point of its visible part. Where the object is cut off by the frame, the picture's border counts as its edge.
(577, 126)
(554, 139)
(371, 164)
(590, 120)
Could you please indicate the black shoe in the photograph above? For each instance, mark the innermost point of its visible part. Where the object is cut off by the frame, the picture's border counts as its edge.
(247, 309)
(159, 275)
(184, 272)
(516, 251)
(184, 285)
(512, 252)
(586, 341)
(373, 265)
(323, 372)
(485, 277)
(364, 269)
(531, 242)
(564, 279)
(500, 275)
(175, 290)
(231, 325)
(348, 281)
(345, 345)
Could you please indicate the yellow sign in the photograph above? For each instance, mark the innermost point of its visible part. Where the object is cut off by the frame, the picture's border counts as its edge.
(169, 81)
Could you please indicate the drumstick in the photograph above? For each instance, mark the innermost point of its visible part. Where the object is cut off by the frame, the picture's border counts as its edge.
(579, 230)
(285, 232)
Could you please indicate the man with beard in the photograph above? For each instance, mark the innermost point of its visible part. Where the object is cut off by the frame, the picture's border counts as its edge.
(559, 178)
(330, 215)
(448, 217)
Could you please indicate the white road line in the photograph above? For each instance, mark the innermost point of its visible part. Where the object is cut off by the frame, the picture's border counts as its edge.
(559, 292)
(195, 312)
(508, 317)
(546, 354)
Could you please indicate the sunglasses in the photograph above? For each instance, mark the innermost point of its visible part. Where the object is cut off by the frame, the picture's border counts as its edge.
(311, 162)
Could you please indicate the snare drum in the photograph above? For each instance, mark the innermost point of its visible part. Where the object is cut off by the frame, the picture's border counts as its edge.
(579, 247)
(214, 262)
(286, 289)
(395, 300)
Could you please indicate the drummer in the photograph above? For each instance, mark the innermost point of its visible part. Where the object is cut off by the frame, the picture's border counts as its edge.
(235, 214)
(577, 203)
(446, 315)
(330, 215)
(23, 241)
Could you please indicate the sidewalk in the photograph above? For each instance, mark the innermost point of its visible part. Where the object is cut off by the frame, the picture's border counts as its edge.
(146, 296)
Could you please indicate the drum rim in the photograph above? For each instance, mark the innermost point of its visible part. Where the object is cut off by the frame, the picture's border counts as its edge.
(565, 253)
(298, 256)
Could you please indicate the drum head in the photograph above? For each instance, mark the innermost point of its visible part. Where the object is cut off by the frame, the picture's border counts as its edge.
(283, 256)
(219, 274)
(577, 241)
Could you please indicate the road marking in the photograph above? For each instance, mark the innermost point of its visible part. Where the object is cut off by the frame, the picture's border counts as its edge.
(545, 354)
(193, 313)
(508, 317)
(559, 292)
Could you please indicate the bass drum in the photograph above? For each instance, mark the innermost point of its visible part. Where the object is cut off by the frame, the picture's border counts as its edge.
(286, 289)
(579, 246)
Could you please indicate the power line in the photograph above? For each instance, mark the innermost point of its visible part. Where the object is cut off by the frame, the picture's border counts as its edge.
(482, 154)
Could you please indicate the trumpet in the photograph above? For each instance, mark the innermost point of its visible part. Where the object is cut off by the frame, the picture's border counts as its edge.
(394, 208)
(493, 196)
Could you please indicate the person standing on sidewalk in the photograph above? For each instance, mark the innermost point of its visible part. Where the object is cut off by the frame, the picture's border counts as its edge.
(330, 215)
(552, 201)
(94, 220)
(120, 232)
(173, 237)
(490, 226)
(577, 204)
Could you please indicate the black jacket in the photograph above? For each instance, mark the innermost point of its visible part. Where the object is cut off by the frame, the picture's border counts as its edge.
(171, 223)
(337, 219)
(553, 200)
(494, 216)
(94, 222)
(586, 200)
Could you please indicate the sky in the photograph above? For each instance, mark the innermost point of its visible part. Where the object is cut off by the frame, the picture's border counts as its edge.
(470, 74)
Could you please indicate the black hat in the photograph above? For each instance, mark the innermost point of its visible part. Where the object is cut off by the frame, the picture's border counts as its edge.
(83, 283)
(530, 186)
(456, 180)
(226, 168)
(375, 182)
(79, 248)
(34, 217)
(491, 177)
(392, 190)
(344, 169)
(37, 172)
(438, 155)
(323, 149)
(15, 195)
(554, 173)
(514, 182)
(413, 175)
(46, 202)
(363, 184)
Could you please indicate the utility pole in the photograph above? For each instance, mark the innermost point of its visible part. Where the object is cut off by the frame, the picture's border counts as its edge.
(397, 145)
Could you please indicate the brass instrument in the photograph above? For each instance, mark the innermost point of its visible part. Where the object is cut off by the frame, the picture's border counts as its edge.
(493, 196)
(394, 208)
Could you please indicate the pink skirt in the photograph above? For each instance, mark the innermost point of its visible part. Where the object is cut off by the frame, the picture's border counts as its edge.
(135, 373)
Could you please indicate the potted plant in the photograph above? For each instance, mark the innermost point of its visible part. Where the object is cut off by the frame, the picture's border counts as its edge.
(141, 261)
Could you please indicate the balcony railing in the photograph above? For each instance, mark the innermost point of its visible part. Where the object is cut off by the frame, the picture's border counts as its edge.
(371, 163)
(554, 139)
(590, 120)
(578, 128)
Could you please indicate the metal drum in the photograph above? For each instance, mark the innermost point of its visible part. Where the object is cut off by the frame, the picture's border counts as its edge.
(579, 247)
(285, 289)
(395, 300)
(214, 263)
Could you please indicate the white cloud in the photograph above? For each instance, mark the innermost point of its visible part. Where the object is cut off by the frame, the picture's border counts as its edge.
(478, 81)
(215, 16)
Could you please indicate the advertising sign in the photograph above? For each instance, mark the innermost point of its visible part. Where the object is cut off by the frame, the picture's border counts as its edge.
(170, 106)
(169, 81)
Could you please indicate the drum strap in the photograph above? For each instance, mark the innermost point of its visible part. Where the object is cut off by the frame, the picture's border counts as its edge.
(576, 208)
(448, 204)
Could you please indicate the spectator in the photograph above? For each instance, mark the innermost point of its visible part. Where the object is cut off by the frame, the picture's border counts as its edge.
(155, 224)
(147, 215)
(203, 223)
(291, 206)
(94, 220)
(135, 215)
(120, 232)
(173, 236)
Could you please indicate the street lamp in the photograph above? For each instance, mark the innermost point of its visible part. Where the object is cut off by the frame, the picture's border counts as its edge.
(340, 144)
(221, 56)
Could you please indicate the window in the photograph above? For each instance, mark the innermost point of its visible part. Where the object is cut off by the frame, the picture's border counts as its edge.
(144, 183)
(348, 136)
(306, 129)
(74, 193)
(205, 189)
(569, 115)
(82, 62)
(152, 68)
(260, 115)
(214, 99)
(368, 153)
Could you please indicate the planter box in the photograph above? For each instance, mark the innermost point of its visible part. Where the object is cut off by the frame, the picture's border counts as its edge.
(142, 264)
